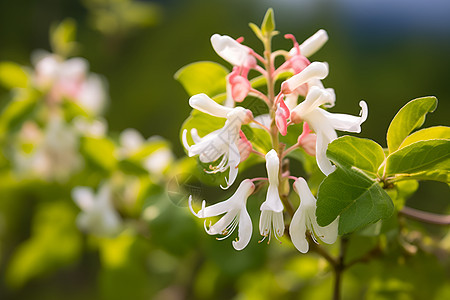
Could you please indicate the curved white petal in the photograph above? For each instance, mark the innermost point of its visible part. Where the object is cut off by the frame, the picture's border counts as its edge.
(244, 231)
(327, 234)
(232, 51)
(297, 230)
(314, 43)
(344, 122)
(321, 154)
(220, 226)
(306, 197)
(233, 162)
(316, 70)
(207, 105)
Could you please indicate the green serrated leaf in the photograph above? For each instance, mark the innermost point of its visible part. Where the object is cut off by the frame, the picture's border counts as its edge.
(422, 156)
(13, 75)
(350, 151)
(355, 198)
(410, 117)
(256, 30)
(431, 133)
(203, 77)
(268, 24)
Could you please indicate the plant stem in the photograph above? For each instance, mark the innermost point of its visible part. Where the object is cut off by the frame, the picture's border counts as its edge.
(425, 216)
(339, 268)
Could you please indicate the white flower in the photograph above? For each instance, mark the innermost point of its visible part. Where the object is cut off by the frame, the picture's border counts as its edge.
(272, 209)
(232, 51)
(98, 215)
(156, 162)
(325, 124)
(312, 44)
(69, 79)
(221, 142)
(305, 219)
(312, 72)
(55, 155)
(236, 215)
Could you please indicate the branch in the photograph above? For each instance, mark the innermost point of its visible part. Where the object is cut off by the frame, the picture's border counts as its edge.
(425, 216)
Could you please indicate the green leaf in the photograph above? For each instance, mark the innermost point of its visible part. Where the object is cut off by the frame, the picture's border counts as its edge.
(353, 196)
(259, 138)
(13, 75)
(62, 37)
(410, 117)
(132, 167)
(256, 30)
(55, 242)
(18, 110)
(268, 24)
(436, 175)
(203, 77)
(437, 132)
(423, 156)
(350, 151)
(99, 151)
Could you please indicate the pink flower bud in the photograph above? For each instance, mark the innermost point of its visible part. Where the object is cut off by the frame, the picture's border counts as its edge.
(281, 116)
(240, 86)
(244, 146)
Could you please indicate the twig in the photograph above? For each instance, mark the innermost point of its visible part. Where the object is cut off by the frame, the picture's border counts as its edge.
(426, 217)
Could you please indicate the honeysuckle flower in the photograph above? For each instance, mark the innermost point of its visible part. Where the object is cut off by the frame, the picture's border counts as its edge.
(93, 128)
(156, 162)
(98, 215)
(314, 71)
(272, 209)
(69, 79)
(236, 215)
(305, 219)
(325, 124)
(221, 142)
(233, 52)
(55, 154)
(312, 44)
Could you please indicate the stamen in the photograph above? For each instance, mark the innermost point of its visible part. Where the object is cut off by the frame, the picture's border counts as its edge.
(292, 37)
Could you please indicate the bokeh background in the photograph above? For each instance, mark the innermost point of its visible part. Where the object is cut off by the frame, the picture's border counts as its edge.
(385, 52)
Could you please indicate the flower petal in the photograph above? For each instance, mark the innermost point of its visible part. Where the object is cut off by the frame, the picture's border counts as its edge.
(297, 230)
(314, 43)
(327, 234)
(207, 105)
(315, 70)
(84, 198)
(244, 231)
(344, 122)
(232, 51)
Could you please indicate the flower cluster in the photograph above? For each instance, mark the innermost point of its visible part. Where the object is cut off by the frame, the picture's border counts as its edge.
(302, 99)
